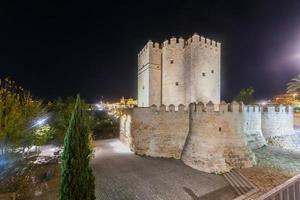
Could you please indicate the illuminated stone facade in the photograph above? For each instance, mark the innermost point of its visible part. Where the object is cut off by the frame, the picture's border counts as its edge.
(205, 139)
(206, 134)
(179, 72)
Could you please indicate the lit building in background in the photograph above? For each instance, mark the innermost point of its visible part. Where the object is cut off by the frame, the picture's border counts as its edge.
(114, 108)
(290, 99)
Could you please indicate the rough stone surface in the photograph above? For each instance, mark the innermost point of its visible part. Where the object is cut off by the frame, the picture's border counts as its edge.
(252, 126)
(159, 133)
(297, 119)
(120, 174)
(278, 127)
(211, 138)
(179, 72)
(216, 142)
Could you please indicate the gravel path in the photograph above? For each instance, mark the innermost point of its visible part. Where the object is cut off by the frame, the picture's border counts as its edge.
(120, 174)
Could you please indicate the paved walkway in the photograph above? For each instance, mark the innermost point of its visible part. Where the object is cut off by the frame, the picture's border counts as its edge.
(121, 175)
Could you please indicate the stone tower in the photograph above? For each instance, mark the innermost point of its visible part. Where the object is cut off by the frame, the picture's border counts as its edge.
(149, 75)
(179, 72)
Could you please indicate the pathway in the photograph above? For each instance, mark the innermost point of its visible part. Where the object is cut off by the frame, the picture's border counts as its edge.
(120, 174)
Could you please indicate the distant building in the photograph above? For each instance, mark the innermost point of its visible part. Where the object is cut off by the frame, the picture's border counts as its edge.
(286, 99)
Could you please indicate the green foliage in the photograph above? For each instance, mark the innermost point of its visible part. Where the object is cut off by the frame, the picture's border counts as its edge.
(61, 110)
(294, 85)
(246, 95)
(42, 135)
(106, 126)
(77, 180)
(17, 110)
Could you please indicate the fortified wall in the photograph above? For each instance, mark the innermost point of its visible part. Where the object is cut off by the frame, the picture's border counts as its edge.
(278, 127)
(210, 138)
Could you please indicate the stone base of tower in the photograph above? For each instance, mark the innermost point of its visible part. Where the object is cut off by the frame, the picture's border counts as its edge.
(256, 140)
(216, 158)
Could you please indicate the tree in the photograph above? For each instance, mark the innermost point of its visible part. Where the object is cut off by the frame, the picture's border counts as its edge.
(294, 85)
(61, 111)
(246, 95)
(17, 111)
(77, 180)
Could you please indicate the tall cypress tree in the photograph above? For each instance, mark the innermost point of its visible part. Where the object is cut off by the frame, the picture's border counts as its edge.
(77, 180)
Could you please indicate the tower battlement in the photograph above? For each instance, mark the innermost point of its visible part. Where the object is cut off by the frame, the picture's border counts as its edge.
(195, 39)
(149, 46)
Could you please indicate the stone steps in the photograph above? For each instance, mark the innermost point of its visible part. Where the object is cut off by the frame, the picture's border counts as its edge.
(243, 187)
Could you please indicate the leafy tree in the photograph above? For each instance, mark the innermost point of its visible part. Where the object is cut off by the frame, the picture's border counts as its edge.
(106, 126)
(294, 85)
(42, 135)
(61, 111)
(17, 111)
(246, 95)
(77, 180)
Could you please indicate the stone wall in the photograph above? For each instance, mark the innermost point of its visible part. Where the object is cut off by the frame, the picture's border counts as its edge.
(211, 138)
(216, 141)
(159, 132)
(296, 119)
(278, 127)
(252, 126)
(125, 127)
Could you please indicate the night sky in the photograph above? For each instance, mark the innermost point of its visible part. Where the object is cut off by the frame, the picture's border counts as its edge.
(55, 49)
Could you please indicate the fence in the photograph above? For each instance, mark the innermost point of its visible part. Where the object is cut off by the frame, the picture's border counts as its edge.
(289, 190)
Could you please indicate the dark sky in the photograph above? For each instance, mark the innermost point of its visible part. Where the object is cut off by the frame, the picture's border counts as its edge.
(55, 49)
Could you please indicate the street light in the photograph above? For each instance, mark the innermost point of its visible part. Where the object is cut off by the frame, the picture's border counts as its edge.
(40, 121)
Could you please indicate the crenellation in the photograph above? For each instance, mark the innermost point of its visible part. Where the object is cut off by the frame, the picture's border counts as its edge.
(208, 41)
(162, 107)
(165, 43)
(171, 108)
(195, 38)
(223, 107)
(202, 39)
(252, 108)
(181, 42)
(235, 107)
(154, 107)
(213, 43)
(210, 107)
(173, 41)
(199, 107)
(181, 108)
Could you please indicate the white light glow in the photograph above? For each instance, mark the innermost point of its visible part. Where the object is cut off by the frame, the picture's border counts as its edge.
(263, 103)
(40, 122)
(119, 147)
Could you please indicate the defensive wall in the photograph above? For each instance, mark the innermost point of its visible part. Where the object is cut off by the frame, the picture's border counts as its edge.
(278, 127)
(210, 138)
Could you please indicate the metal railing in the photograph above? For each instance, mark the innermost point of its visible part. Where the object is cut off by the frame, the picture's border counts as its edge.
(289, 190)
